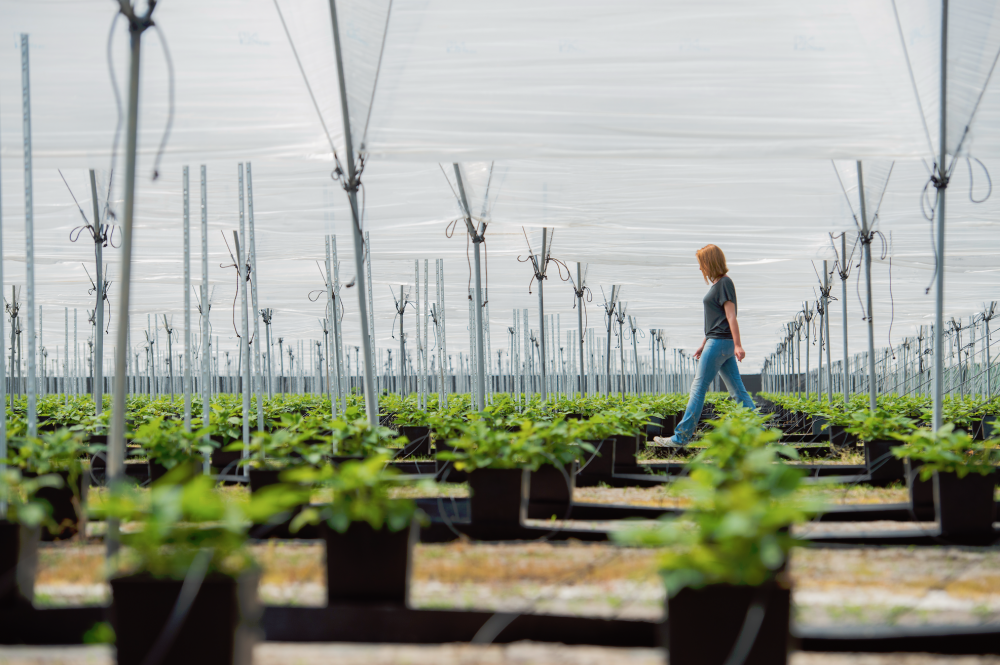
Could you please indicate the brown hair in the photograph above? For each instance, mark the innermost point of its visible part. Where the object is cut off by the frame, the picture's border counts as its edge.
(712, 262)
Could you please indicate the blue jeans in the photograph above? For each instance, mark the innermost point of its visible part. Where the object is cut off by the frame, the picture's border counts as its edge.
(718, 357)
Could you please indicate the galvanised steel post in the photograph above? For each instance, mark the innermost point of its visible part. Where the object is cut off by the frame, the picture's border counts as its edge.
(29, 236)
(826, 319)
(206, 309)
(941, 182)
(477, 239)
(371, 396)
(116, 441)
(241, 264)
(187, 303)
(258, 378)
(866, 238)
(3, 376)
(99, 306)
(843, 297)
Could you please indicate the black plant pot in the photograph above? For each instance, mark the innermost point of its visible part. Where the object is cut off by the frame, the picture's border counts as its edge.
(921, 492)
(226, 461)
(67, 504)
(703, 624)
(368, 565)
(420, 441)
(601, 462)
(551, 491)
(988, 428)
(220, 627)
(882, 465)
(497, 496)
(261, 478)
(18, 563)
(626, 450)
(965, 507)
(655, 426)
(817, 426)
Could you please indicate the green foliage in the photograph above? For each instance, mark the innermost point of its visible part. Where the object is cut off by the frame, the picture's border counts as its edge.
(883, 425)
(169, 444)
(737, 530)
(481, 446)
(359, 493)
(23, 507)
(179, 517)
(949, 451)
(100, 633)
(52, 452)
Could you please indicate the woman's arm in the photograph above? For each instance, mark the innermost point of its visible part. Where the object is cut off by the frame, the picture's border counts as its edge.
(697, 354)
(734, 327)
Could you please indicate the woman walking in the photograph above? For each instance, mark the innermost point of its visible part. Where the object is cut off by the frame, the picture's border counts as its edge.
(720, 350)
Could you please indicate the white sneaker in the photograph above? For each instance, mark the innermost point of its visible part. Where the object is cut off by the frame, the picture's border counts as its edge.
(668, 442)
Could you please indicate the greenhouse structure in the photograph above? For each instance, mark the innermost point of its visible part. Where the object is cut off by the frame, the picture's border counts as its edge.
(406, 331)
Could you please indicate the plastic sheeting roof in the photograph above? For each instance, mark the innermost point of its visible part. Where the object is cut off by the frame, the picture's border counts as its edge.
(640, 133)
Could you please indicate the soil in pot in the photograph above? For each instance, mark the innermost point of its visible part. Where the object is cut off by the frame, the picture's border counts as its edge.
(420, 441)
(498, 496)
(882, 465)
(18, 563)
(368, 565)
(219, 628)
(703, 624)
(551, 491)
(965, 507)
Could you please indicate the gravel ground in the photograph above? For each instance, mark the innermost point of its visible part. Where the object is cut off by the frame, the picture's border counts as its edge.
(833, 586)
(521, 653)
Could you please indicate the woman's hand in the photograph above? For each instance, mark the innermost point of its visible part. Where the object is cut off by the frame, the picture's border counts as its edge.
(697, 354)
(739, 353)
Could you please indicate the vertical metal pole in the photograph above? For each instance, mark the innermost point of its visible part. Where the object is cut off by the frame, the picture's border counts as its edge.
(3, 373)
(338, 335)
(942, 170)
(241, 263)
(426, 370)
(206, 309)
(401, 360)
(258, 378)
(29, 235)
(331, 315)
(99, 306)
(187, 302)
(867, 250)
(579, 321)
(843, 303)
(116, 442)
(541, 311)
(477, 238)
(371, 397)
(826, 317)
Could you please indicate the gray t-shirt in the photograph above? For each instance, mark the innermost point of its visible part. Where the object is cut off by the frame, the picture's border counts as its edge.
(716, 324)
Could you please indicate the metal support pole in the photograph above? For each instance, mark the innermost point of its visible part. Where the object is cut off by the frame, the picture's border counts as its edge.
(826, 321)
(206, 310)
(116, 442)
(867, 250)
(579, 321)
(29, 236)
(942, 184)
(843, 303)
(371, 397)
(241, 264)
(99, 306)
(541, 264)
(258, 378)
(187, 302)
(477, 239)
(3, 375)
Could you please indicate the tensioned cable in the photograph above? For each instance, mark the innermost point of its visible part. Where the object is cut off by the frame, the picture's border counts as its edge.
(117, 94)
(170, 102)
(378, 68)
(913, 80)
(305, 79)
(848, 198)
